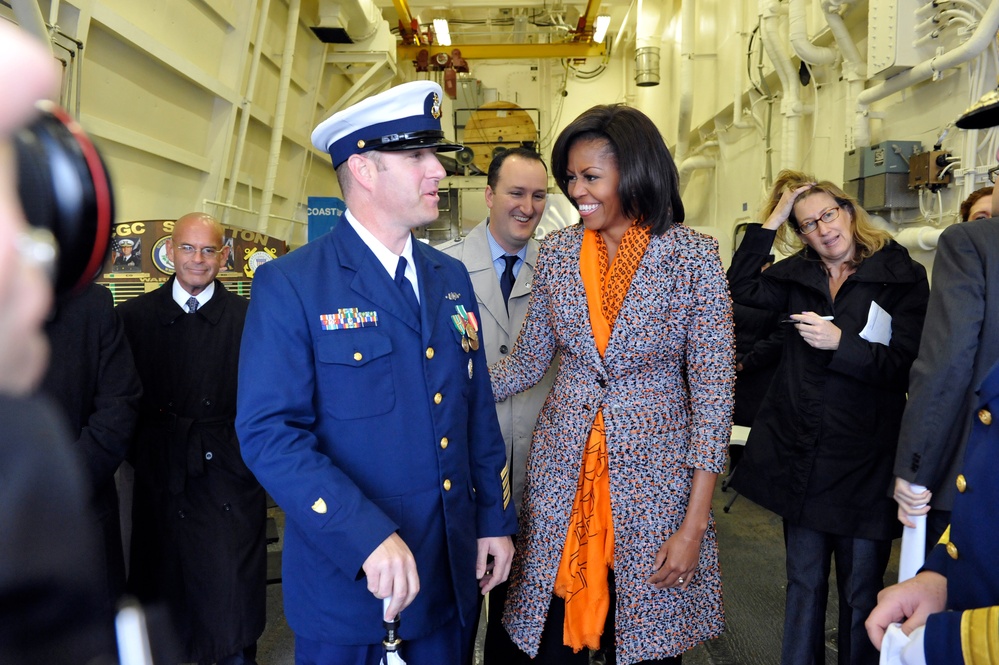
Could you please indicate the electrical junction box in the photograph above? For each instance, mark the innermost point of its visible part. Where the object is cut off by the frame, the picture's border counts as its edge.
(888, 190)
(853, 164)
(889, 157)
(891, 33)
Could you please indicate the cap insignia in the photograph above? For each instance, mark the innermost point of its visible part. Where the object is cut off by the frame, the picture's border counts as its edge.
(435, 108)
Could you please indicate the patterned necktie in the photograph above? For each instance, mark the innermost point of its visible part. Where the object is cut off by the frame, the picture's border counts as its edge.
(408, 294)
(508, 278)
(192, 305)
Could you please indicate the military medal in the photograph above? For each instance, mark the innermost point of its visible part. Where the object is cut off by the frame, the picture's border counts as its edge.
(459, 325)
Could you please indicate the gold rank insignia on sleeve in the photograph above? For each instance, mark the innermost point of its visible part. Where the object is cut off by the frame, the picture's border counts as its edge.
(505, 482)
(319, 506)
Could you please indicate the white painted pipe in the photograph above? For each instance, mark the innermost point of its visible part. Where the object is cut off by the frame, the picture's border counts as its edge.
(361, 17)
(244, 118)
(854, 65)
(277, 131)
(918, 237)
(691, 164)
(686, 104)
(738, 82)
(802, 46)
(983, 36)
(791, 107)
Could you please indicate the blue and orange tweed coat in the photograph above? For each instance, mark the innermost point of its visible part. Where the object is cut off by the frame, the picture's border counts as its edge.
(665, 387)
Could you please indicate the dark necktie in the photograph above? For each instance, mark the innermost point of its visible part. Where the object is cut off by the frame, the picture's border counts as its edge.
(508, 278)
(408, 294)
(192, 305)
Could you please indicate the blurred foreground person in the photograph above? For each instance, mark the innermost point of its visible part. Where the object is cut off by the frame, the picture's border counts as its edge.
(50, 598)
(618, 551)
(821, 449)
(93, 378)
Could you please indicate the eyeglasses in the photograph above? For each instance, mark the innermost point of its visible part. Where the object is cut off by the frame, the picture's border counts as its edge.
(992, 173)
(38, 247)
(828, 217)
(206, 252)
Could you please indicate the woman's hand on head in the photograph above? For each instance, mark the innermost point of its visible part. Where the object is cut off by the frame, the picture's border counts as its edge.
(782, 211)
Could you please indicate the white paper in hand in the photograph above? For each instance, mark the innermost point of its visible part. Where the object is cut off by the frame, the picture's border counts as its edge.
(878, 328)
(913, 552)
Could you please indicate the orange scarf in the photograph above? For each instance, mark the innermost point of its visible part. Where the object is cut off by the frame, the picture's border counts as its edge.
(588, 555)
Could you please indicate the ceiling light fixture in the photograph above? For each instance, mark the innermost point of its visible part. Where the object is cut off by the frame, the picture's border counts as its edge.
(442, 31)
(600, 28)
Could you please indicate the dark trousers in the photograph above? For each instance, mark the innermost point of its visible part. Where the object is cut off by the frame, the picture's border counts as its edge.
(860, 569)
(502, 651)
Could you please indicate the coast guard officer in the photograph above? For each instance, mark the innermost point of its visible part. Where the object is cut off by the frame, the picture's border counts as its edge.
(365, 407)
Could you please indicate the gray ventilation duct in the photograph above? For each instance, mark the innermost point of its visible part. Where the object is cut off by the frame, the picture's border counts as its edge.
(647, 66)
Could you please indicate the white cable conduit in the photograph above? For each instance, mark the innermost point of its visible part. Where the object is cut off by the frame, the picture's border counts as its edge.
(854, 65)
(247, 104)
(923, 238)
(978, 42)
(690, 165)
(791, 107)
(686, 79)
(277, 131)
(800, 44)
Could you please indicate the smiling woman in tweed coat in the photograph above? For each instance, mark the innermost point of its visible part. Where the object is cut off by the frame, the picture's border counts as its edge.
(662, 384)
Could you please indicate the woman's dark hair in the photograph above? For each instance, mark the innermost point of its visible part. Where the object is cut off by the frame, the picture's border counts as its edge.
(648, 184)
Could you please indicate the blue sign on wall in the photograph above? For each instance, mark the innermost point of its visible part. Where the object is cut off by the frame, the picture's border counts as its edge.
(324, 213)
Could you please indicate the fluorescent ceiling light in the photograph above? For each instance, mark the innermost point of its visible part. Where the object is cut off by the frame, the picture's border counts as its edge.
(442, 31)
(600, 28)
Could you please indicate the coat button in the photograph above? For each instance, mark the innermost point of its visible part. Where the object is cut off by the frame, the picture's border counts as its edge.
(985, 417)
(437, 398)
(444, 443)
(504, 349)
(180, 514)
(602, 382)
(952, 550)
(208, 455)
(962, 483)
(357, 356)
(616, 409)
(447, 485)
(430, 352)
(227, 507)
(207, 402)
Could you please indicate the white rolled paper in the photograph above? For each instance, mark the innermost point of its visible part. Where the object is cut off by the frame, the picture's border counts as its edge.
(913, 544)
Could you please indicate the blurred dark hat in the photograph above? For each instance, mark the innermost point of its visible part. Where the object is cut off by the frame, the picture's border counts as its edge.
(983, 113)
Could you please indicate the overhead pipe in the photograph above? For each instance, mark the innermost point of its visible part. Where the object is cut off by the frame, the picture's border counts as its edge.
(360, 19)
(647, 43)
(277, 130)
(854, 65)
(738, 81)
(983, 36)
(791, 107)
(800, 44)
(686, 79)
(247, 104)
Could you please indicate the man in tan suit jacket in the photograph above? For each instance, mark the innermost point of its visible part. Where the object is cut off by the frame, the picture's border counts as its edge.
(515, 195)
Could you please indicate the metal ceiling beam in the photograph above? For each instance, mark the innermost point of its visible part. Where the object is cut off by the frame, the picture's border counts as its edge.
(584, 29)
(407, 25)
(507, 51)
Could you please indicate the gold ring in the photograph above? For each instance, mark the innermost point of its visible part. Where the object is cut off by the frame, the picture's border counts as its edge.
(680, 580)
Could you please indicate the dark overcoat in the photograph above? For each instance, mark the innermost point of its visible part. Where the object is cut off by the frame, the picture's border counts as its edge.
(375, 421)
(92, 377)
(821, 450)
(198, 539)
